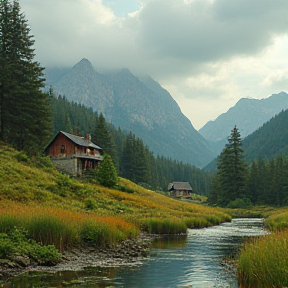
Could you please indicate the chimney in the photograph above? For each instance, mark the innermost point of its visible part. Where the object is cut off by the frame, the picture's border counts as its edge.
(88, 136)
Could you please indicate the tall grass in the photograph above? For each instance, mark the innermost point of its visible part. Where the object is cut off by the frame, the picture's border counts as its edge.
(56, 209)
(263, 262)
(278, 222)
(65, 228)
(164, 226)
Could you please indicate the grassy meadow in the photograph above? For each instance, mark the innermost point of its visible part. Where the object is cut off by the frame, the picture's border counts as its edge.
(52, 208)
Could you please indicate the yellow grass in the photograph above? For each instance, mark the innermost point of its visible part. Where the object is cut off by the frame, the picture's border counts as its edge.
(264, 262)
(28, 193)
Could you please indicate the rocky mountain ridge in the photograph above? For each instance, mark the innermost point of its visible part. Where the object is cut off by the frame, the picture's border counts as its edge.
(134, 104)
(248, 115)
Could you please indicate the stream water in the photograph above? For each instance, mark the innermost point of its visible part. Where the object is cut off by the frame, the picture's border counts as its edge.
(192, 261)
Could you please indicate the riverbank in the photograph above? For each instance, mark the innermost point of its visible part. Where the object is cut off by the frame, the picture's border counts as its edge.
(263, 261)
(127, 253)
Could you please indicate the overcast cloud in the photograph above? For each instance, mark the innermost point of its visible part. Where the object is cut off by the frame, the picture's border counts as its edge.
(207, 53)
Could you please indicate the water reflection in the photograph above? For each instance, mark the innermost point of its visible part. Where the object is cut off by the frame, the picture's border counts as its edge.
(192, 261)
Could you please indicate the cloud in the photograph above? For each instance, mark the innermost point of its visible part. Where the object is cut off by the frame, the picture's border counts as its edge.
(164, 33)
(203, 50)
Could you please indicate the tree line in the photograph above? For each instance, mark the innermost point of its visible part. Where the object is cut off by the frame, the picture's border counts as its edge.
(131, 157)
(25, 118)
(237, 184)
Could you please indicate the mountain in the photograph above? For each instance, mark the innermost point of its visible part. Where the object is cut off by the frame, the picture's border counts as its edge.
(135, 104)
(266, 142)
(269, 140)
(247, 115)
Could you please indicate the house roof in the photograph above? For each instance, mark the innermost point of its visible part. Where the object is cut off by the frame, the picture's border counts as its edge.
(179, 186)
(81, 141)
(77, 140)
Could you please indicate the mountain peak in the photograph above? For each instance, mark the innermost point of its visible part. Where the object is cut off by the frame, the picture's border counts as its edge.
(84, 63)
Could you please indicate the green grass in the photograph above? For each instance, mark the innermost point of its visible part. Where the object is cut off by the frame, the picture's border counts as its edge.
(56, 209)
(263, 261)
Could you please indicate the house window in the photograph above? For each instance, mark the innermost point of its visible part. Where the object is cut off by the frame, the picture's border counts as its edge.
(62, 149)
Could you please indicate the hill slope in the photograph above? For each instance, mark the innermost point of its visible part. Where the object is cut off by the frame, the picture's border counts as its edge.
(266, 142)
(247, 115)
(37, 186)
(139, 105)
(269, 140)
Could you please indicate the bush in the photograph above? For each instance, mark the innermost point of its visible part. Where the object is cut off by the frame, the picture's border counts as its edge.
(90, 204)
(240, 203)
(22, 157)
(17, 242)
(106, 174)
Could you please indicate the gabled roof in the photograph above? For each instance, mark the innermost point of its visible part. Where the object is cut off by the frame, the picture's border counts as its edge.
(77, 140)
(179, 186)
(81, 141)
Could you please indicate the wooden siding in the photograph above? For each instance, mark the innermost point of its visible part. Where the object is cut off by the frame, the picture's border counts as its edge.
(55, 149)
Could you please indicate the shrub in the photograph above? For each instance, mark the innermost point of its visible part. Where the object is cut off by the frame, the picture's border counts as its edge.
(90, 204)
(240, 203)
(6, 246)
(16, 241)
(22, 157)
(106, 174)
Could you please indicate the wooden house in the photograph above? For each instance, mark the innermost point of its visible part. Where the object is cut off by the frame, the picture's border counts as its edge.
(72, 154)
(180, 189)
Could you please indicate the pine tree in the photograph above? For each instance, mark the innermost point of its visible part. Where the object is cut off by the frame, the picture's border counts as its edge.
(104, 139)
(106, 174)
(128, 157)
(25, 116)
(231, 171)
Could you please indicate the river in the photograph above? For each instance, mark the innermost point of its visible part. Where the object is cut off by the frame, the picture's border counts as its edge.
(192, 261)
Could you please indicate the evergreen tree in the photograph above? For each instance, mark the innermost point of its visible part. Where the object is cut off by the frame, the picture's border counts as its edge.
(106, 173)
(231, 171)
(128, 158)
(24, 110)
(104, 139)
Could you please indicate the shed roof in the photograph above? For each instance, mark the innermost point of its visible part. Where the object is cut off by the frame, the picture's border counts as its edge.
(180, 186)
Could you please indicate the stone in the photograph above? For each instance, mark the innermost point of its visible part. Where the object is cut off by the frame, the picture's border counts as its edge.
(23, 261)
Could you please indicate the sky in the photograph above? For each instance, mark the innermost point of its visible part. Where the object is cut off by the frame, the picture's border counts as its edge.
(207, 53)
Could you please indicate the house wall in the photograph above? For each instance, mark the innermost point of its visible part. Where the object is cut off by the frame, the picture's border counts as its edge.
(55, 148)
(179, 193)
(71, 166)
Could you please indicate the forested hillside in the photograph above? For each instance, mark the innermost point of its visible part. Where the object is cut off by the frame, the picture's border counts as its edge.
(269, 140)
(135, 104)
(266, 142)
(237, 184)
(132, 158)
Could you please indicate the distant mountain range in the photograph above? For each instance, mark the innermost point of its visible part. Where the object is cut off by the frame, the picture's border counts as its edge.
(266, 142)
(134, 104)
(248, 115)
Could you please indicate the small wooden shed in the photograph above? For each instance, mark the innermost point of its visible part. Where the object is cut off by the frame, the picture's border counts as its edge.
(180, 189)
(72, 154)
